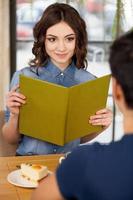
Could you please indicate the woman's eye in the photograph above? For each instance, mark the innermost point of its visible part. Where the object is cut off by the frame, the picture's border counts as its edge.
(51, 39)
(69, 39)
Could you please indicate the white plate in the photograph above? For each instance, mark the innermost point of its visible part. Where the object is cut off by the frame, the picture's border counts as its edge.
(15, 178)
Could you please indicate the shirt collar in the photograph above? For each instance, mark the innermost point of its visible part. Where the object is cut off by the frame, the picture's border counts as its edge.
(54, 70)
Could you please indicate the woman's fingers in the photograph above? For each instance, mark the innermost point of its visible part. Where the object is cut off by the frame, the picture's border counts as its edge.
(102, 111)
(14, 104)
(11, 93)
(103, 117)
(102, 121)
(16, 99)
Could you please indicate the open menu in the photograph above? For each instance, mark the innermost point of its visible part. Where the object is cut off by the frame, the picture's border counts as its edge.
(59, 114)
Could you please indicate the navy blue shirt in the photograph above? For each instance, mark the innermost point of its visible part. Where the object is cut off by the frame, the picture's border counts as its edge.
(69, 77)
(98, 172)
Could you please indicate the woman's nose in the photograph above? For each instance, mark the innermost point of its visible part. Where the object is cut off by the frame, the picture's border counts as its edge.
(61, 46)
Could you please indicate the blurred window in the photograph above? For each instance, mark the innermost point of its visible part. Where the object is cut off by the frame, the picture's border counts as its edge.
(27, 14)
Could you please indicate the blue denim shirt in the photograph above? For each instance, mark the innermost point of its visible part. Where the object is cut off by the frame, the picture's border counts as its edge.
(69, 77)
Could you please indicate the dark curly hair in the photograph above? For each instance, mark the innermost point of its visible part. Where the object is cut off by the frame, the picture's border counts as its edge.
(121, 64)
(54, 14)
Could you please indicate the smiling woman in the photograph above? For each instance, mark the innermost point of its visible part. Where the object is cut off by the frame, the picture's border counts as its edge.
(60, 48)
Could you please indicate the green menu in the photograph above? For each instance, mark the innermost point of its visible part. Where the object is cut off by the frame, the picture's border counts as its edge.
(59, 114)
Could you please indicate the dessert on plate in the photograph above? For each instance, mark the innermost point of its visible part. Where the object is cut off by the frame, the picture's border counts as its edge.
(33, 172)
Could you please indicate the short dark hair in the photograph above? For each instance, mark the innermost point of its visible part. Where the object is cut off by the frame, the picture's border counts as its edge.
(54, 14)
(121, 64)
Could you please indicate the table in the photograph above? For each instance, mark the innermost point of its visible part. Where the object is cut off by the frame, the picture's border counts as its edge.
(8, 164)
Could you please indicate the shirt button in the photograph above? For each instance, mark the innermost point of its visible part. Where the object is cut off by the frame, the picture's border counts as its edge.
(61, 74)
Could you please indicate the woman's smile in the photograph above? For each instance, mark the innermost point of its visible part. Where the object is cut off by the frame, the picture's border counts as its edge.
(61, 55)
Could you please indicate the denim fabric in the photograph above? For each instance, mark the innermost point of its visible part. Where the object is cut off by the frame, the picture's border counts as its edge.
(69, 77)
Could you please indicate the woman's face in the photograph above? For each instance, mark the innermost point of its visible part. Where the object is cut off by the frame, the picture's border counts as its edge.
(60, 44)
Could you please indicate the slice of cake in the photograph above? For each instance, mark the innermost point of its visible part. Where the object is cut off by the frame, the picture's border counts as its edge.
(33, 172)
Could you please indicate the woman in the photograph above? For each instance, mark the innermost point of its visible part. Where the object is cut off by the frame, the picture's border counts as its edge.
(60, 41)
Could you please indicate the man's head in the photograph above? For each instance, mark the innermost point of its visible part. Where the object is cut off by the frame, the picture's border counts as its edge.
(121, 64)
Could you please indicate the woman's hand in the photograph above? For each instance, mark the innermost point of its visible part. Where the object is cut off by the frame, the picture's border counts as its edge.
(14, 100)
(102, 117)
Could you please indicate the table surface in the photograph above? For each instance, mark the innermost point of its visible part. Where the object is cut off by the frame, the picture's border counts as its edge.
(8, 164)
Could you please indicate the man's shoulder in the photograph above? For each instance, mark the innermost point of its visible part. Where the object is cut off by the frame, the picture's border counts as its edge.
(88, 148)
(102, 151)
(95, 149)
